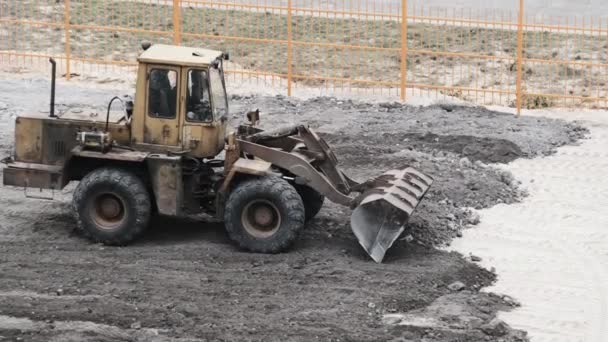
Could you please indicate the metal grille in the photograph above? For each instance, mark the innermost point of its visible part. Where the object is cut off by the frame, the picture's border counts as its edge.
(59, 148)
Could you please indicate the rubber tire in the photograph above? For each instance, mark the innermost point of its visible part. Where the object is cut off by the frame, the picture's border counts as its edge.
(123, 184)
(282, 195)
(313, 201)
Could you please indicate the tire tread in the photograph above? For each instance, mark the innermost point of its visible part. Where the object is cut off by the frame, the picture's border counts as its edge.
(289, 197)
(114, 178)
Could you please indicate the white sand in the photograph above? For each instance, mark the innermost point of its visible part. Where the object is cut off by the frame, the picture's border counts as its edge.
(551, 250)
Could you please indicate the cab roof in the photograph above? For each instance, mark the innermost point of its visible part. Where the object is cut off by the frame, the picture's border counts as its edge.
(178, 55)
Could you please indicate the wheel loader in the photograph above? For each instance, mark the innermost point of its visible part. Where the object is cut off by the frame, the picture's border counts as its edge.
(168, 151)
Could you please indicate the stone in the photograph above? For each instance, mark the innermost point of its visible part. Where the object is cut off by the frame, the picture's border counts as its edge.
(475, 258)
(510, 300)
(480, 164)
(474, 219)
(456, 286)
(465, 163)
(392, 319)
(452, 226)
(495, 327)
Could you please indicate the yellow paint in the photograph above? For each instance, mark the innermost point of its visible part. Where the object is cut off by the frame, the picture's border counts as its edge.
(155, 130)
(28, 140)
(37, 136)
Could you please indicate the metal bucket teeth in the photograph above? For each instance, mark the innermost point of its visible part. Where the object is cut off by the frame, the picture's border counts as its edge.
(385, 208)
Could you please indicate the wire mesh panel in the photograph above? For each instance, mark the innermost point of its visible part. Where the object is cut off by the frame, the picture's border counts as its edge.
(464, 53)
(31, 31)
(486, 56)
(565, 62)
(255, 34)
(107, 34)
(347, 47)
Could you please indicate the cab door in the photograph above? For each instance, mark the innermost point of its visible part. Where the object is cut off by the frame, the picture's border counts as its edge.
(200, 126)
(161, 119)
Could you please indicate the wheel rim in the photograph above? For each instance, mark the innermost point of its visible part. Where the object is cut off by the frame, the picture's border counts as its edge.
(261, 218)
(108, 211)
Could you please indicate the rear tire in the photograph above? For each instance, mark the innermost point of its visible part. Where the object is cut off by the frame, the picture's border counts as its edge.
(112, 206)
(264, 215)
(313, 201)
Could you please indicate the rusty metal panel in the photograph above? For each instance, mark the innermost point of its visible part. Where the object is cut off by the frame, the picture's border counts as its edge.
(161, 132)
(28, 140)
(204, 140)
(29, 175)
(58, 139)
(252, 166)
(166, 175)
(384, 207)
(139, 106)
(115, 154)
(49, 140)
(300, 166)
(221, 136)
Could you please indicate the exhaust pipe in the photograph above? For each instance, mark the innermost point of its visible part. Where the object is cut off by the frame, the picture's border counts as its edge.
(53, 71)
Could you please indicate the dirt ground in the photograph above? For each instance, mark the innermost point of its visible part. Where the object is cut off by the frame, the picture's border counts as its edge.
(452, 143)
(185, 281)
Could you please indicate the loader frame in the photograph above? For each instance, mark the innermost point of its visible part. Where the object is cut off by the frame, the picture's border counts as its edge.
(168, 163)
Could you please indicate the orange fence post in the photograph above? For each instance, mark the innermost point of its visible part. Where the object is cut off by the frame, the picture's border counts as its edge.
(403, 48)
(177, 22)
(520, 53)
(289, 49)
(67, 39)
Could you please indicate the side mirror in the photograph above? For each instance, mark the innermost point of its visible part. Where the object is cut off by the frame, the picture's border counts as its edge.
(253, 117)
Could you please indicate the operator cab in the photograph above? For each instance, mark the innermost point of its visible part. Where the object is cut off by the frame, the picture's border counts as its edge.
(181, 103)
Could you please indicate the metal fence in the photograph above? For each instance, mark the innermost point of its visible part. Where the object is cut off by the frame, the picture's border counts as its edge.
(485, 56)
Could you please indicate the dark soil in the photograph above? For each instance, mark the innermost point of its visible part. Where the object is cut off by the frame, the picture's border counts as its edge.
(185, 281)
(453, 144)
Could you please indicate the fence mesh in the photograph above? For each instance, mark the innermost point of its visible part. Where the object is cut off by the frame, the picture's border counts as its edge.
(487, 56)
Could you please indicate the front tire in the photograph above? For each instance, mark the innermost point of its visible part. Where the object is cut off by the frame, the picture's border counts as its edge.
(112, 206)
(264, 215)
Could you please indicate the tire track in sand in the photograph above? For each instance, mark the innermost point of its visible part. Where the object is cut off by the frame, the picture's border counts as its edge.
(551, 250)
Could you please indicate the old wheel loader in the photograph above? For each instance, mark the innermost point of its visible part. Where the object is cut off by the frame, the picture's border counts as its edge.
(160, 155)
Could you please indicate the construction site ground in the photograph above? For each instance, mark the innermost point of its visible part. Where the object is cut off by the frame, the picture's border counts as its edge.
(185, 281)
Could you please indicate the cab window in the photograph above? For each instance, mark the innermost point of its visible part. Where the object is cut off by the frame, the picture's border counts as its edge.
(218, 91)
(198, 103)
(162, 93)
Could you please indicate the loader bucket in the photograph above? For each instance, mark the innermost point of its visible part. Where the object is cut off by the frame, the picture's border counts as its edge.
(385, 207)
